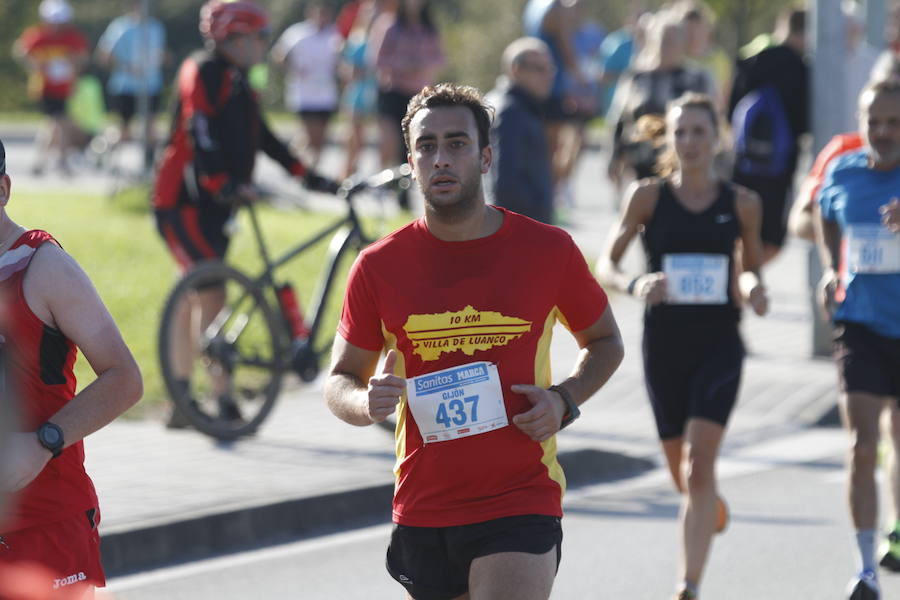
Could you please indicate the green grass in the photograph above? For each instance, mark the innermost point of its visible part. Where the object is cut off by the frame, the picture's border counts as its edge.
(116, 243)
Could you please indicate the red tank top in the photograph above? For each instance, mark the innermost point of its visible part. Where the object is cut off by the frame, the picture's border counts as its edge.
(40, 368)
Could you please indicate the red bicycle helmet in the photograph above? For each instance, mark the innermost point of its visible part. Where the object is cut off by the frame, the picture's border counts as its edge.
(219, 19)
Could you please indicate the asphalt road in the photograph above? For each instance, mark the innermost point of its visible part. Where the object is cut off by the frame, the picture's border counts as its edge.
(789, 539)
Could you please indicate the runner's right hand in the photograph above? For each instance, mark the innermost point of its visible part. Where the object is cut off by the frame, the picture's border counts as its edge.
(652, 288)
(825, 293)
(384, 390)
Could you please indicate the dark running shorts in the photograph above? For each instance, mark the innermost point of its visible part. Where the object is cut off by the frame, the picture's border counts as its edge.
(867, 362)
(392, 104)
(320, 115)
(432, 563)
(191, 235)
(126, 105)
(774, 193)
(692, 376)
(70, 549)
(52, 107)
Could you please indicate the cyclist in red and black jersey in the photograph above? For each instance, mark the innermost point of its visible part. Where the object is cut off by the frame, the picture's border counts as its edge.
(217, 129)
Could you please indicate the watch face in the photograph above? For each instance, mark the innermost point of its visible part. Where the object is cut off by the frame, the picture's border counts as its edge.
(51, 435)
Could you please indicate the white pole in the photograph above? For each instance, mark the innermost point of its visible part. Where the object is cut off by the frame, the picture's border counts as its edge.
(826, 32)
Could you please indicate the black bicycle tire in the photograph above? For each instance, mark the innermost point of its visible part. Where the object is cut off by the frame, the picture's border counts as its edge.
(205, 271)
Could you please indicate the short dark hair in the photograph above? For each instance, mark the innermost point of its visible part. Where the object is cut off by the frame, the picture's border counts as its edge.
(451, 94)
(2, 159)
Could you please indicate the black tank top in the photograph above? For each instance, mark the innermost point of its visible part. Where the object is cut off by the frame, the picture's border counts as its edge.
(673, 229)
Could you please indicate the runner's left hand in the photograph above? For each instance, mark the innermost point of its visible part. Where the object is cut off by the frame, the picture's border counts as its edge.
(24, 459)
(545, 416)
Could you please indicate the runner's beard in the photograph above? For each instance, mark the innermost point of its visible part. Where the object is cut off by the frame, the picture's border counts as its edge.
(458, 208)
(885, 152)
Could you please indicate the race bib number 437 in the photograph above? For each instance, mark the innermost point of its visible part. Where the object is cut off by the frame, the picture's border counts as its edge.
(457, 402)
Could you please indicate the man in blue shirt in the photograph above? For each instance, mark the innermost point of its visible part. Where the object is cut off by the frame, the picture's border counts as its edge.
(522, 174)
(133, 47)
(858, 234)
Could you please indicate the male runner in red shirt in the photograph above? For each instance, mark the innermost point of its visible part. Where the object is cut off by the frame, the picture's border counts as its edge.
(465, 300)
(52, 309)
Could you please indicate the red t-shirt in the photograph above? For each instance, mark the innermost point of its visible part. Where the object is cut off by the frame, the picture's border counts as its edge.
(41, 359)
(54, 50)
(446, 304)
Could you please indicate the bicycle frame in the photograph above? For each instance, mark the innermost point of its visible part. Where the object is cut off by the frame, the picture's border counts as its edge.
(344, 232)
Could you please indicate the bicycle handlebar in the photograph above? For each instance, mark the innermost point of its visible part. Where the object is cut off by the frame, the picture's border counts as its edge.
(352, 186)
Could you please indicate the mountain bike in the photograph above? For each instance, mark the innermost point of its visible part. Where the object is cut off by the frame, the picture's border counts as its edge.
(227, 376)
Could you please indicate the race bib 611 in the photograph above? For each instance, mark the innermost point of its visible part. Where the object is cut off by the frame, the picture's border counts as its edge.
(873, 249)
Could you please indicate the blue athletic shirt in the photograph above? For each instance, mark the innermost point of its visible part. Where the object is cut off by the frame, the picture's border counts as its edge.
(533, 25)
(122, 39)
(851, 195)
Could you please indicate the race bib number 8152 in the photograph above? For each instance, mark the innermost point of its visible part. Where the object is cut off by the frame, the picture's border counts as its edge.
(457, 402)
(696, 278)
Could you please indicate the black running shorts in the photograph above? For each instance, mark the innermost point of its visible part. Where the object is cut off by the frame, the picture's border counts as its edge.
(126, 105)
(692, 375)
(432, 563)
(867, 362)
(53, 107)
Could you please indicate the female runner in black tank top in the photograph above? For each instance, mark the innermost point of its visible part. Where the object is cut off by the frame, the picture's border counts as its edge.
(693, 225)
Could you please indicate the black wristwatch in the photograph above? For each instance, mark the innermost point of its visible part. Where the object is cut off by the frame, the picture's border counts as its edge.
(572, 411)
(51, 437)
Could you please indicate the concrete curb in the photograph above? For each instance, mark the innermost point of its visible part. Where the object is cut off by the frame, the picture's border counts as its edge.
(178, 541)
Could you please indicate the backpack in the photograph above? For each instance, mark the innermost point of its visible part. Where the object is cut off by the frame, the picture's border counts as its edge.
(763, 139)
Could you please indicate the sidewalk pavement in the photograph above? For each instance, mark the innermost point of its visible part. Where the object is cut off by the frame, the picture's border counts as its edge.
(172, 496)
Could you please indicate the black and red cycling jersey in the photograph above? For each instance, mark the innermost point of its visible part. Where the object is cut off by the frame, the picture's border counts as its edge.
(217, 130)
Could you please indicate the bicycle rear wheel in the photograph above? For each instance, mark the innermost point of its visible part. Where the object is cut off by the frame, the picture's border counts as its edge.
(221, 351)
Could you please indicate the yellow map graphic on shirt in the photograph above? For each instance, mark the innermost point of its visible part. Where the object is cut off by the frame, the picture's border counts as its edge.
(467, 330)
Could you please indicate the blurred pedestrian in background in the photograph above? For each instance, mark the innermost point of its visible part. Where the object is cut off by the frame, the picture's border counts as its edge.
(360, 84)
(308, 52)
(556, 23)
(660, 73)
(133, 48)
(769, 112)
(521, 171)
(53, 53)
(407, 52)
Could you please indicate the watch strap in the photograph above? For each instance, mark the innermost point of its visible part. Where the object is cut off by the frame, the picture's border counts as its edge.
(572, 410)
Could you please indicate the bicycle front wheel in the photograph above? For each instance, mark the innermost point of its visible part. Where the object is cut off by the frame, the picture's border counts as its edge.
(221, 352)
